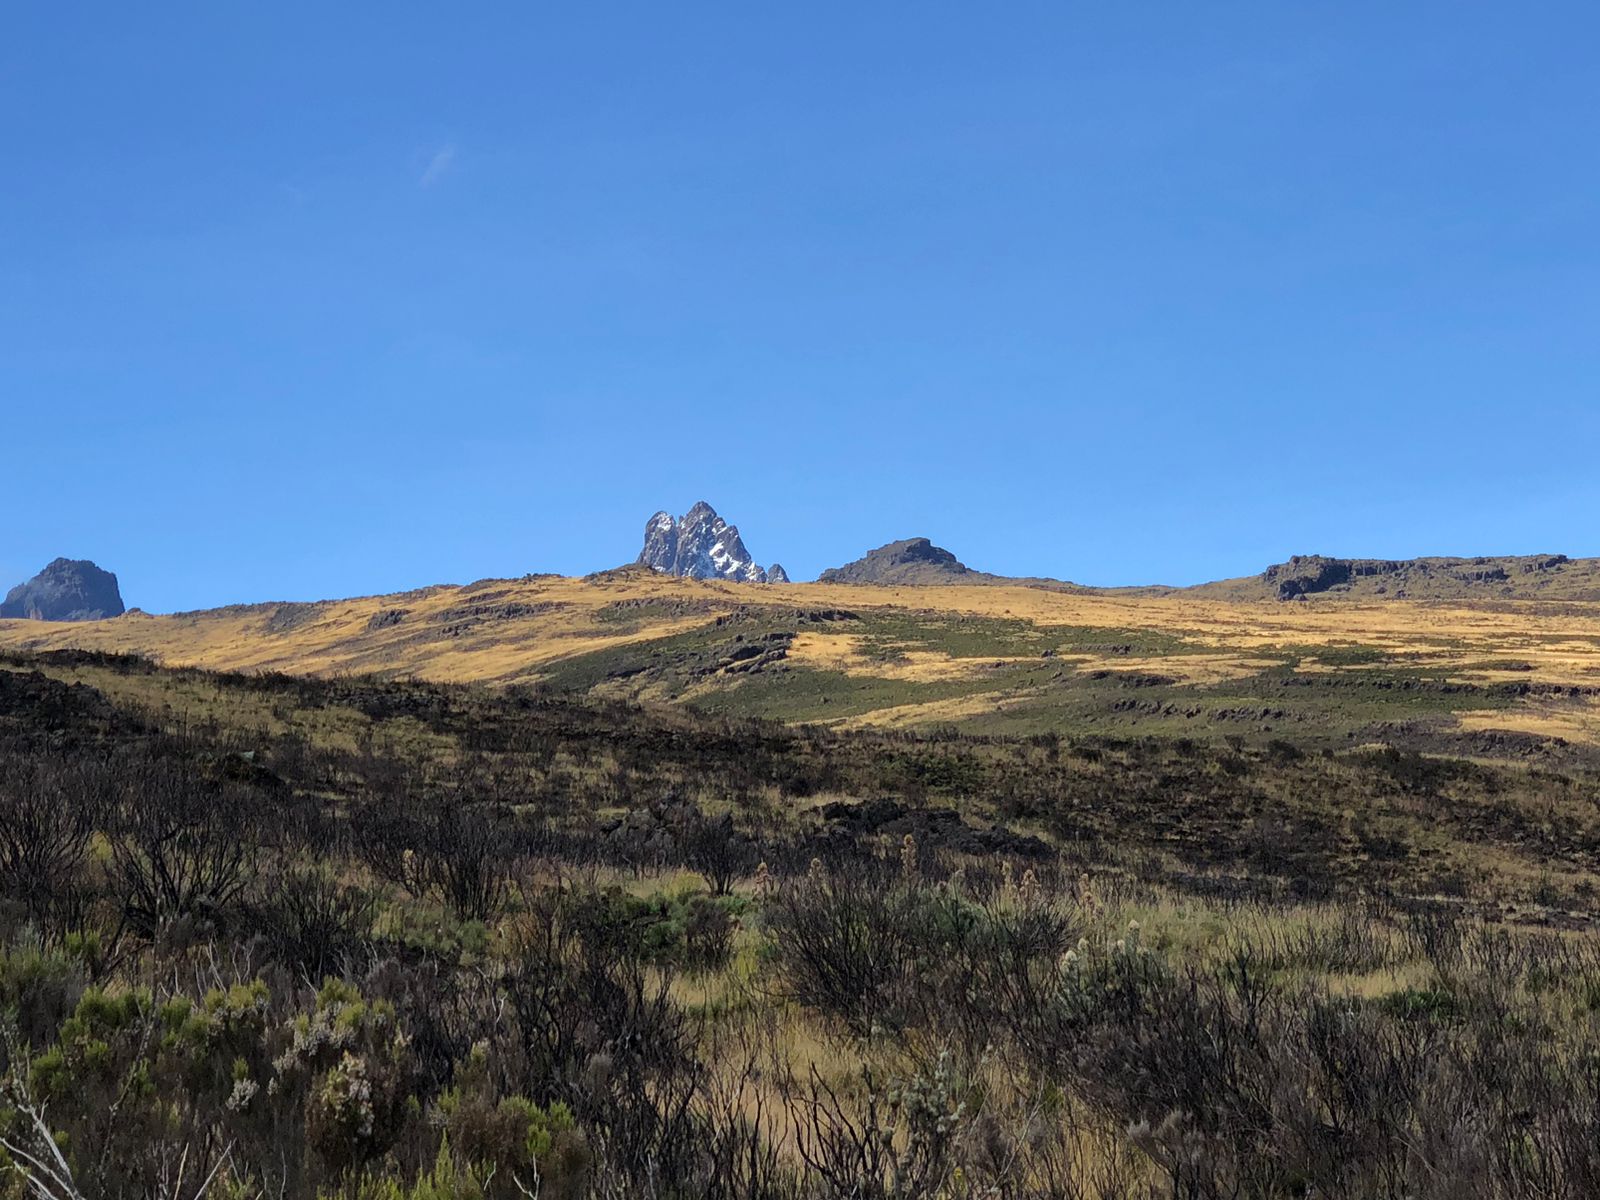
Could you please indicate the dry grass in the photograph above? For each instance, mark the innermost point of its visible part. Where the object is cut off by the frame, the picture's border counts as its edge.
(1571, 719)
(1198, 669)
(933, 712)
(1557, 640)
(844, 652)
(513, 631)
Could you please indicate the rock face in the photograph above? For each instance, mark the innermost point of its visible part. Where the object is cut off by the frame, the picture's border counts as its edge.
(700, 545)
(66, 590)
(1419, 578)
(776, 574)
(911, 561)
(1305, 574)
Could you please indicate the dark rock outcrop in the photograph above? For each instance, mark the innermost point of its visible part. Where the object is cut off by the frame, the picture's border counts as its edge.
(910, 561)
(1310, 574)
(699, 545)
(66, 590)
(1306, 573)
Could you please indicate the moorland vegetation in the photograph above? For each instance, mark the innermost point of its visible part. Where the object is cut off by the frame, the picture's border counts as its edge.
(277, 936)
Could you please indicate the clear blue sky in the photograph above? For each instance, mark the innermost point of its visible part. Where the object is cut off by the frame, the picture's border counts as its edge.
(307, 300)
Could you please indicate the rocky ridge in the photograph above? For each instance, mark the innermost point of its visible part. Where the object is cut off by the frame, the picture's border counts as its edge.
(1503, 577)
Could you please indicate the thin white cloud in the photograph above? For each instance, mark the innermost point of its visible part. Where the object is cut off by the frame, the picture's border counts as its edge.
(437, 166)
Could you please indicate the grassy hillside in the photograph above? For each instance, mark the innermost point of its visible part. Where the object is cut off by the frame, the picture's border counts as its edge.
(1517, 679)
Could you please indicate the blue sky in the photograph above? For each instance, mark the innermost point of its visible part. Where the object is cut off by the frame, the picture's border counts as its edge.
(301, 301)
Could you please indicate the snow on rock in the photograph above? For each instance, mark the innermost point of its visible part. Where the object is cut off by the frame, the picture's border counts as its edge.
(698, 545)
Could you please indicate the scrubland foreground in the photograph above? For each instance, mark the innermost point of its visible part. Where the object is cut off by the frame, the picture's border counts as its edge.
(278, 937)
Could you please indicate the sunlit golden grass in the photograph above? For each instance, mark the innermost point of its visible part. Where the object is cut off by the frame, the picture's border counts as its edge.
(936, 712)
(1574, 719)
(177, 702)
(1198, 669)
(844, 652)
(517, 630)
(336, 637)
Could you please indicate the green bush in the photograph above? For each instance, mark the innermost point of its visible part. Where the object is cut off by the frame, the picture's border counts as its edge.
(38, 990)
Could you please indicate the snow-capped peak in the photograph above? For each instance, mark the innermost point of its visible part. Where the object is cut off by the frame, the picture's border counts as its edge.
(698, 545)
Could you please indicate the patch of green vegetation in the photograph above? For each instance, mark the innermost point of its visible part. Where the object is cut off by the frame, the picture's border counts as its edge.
(638, 613)
(692, 931)
(1316, 711)
(1136, 643)
(1349, 654)
(1433, 1005)
(675, 661)
(1494, 664)
(1557, 639)
(807, 694)
(888, 636)
(783, 690)
(936, 774)
(1389, 694)
(433, 929)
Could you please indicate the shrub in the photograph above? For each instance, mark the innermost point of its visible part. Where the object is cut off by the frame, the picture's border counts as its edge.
(713, 847)
(693, 932)
(519, 1147)
(896, 953)
(49, 809)
(184, 846)
(443, 850)
(38, 991)
(351, 1065)
(843, 944)
(315, 923)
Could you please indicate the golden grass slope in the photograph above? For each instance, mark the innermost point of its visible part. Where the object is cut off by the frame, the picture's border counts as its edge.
(499, 631)
(510, 631)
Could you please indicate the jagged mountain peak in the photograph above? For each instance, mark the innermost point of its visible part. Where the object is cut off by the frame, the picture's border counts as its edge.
(700, 545)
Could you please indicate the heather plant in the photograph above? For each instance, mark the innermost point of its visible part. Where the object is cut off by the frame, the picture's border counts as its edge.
(133, 1083)
(349, 1063)
(517, 1146)
(39, 989)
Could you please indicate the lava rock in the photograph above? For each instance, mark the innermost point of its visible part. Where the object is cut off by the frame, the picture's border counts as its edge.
(912, 560)
(66, 590)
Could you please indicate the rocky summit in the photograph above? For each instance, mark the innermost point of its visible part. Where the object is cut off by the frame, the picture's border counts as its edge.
(66, 590)
(701, 545)
(910, 561)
